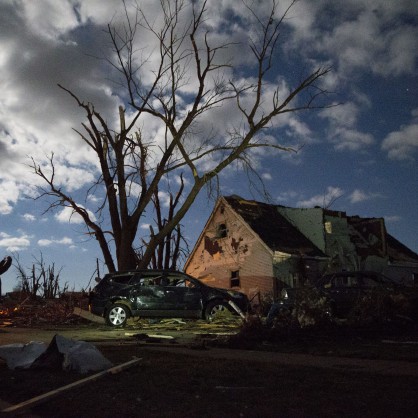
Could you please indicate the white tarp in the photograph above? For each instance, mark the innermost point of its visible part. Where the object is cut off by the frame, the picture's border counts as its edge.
(62, 352)
(21, 356)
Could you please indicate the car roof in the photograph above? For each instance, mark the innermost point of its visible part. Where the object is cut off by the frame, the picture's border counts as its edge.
(366, 273)
(157, 271)
(354, 273)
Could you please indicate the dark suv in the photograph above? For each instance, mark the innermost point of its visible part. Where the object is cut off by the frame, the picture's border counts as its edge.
(159, 294)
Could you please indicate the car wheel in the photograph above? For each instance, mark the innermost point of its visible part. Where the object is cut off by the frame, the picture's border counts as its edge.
(117, 315)
(214, 309)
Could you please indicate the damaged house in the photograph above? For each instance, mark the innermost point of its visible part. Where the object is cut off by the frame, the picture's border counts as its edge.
(258, 247)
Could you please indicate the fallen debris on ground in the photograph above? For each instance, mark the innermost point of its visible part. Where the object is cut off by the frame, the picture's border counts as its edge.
(21, 310)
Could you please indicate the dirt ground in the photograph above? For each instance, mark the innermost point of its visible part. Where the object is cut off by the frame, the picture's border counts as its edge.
(187, 380)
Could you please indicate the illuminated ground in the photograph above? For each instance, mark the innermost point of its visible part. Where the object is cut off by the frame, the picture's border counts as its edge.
(195, 369)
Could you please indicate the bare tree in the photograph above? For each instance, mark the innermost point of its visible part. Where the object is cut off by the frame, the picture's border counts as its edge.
(134, 165)
(43, 280)
(174, 249)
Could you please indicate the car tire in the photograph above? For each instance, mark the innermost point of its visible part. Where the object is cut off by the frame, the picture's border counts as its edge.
(117, 315)
(214, 308)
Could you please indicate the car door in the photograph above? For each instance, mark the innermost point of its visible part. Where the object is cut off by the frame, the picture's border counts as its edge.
(148, 295)
(183, 293)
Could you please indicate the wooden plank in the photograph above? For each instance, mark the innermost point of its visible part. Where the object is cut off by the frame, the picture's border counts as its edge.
(88, 315)
(49, 395)
(237, 309)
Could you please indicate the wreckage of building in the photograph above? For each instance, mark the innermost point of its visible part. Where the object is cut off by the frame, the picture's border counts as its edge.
(258, 247)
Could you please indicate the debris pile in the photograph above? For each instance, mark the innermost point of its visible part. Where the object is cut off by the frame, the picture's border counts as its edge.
(20, 310)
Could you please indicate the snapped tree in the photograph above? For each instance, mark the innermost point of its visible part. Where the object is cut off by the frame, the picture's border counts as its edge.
(179, 87)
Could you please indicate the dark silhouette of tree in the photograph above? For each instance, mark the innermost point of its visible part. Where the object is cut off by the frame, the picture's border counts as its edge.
(135, 166)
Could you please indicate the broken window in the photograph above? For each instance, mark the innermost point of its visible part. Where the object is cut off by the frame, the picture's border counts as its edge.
(328, 227)
(222, 231)
(235, 281)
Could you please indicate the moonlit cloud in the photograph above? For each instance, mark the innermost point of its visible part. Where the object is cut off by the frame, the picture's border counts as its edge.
(10, 243)
(29, 217)
(9, 195)
(287, 197)
(403, 144)
(358, 196)
(48, 242)
(343, 132)
(68, 215)
(350, 139)
(324, 200)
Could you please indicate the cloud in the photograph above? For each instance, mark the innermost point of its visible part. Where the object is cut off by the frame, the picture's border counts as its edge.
(68, 215)
(402, 144)
(285, 197)
(358, 196)
(379, 35)
(322, 200)
(350, 139)
(8, 196)
(14, 243)
(28, 217)
(93, 198)
(164, 198)
(342, 115)
(38, 50)
(49, 242)
(342, 130)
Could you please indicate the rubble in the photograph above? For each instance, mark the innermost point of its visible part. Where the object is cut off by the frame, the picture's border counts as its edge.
(21, 310)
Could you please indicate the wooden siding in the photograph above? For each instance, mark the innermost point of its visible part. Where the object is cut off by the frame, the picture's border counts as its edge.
(215, 257)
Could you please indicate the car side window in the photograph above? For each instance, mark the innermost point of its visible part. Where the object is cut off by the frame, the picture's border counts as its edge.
(121, 279)
(160, 280)
(345, 281)
(180, 281)
(147, 281)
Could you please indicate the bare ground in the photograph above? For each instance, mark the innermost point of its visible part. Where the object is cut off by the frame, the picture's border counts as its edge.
(178, 384)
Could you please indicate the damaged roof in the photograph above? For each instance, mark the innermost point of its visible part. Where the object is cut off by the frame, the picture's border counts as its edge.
(275, 230)
(398, 251)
